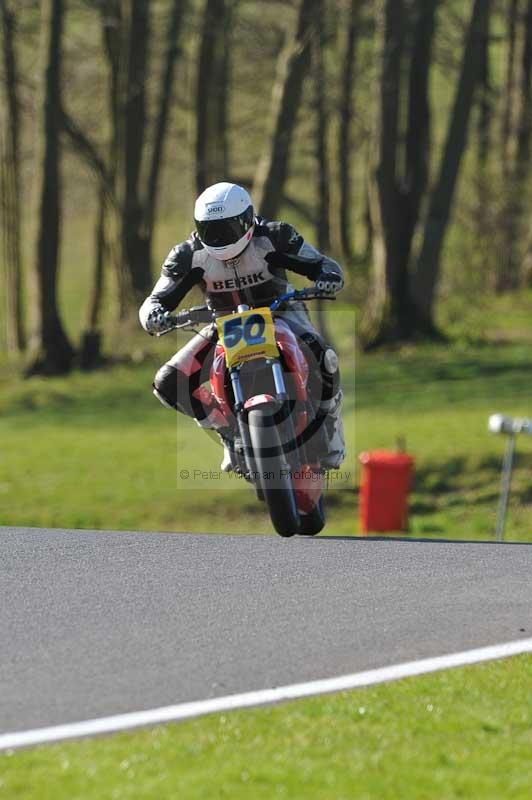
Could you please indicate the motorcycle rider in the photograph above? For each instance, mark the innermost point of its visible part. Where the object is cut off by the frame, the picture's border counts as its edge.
(237, 258)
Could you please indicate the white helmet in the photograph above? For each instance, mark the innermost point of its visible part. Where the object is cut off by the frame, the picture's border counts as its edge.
(224, 220)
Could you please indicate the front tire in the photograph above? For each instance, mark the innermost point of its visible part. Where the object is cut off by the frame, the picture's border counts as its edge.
(273, 471)
(313, 523)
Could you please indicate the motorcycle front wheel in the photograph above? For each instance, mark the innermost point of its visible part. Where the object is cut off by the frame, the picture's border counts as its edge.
(273, 471)
(313, 523)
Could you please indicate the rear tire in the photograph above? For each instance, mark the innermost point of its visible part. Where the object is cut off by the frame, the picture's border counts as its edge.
(273, 478)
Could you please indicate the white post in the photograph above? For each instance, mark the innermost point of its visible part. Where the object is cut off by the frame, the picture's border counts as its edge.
(499, 423)
(506, 480)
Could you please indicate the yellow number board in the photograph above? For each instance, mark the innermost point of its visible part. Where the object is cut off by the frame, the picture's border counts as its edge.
(247, 335)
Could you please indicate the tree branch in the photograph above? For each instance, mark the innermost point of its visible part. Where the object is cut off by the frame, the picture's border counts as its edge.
(83, 146)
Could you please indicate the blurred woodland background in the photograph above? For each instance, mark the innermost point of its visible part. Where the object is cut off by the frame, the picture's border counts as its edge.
(396, 134)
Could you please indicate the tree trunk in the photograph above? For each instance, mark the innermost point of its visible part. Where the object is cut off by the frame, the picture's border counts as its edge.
(485, 106)
(211, 96)
(506, 261)
(384, 307)
(112, 32)
(107, 224)
(140, 206)
(513, 272)
(322, 159)
(172, 53)
(130, 204)
(90, 353)
(139, 203)
(344, 131)
(396, 195)
(293, 65)
(52, 352)
(484, 190)
(225, 87)
(509, 89)
(389, 309)
(418, 128)
(10, 186)
(136, 274)
(427, 269)
(107, 230)
(524, 131)
(524, 139)
(527, 261)
(368, 227)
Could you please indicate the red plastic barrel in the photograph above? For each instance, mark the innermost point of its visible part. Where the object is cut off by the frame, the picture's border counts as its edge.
(384, 489)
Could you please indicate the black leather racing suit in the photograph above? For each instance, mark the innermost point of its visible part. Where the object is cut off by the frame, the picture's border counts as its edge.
(256, 277)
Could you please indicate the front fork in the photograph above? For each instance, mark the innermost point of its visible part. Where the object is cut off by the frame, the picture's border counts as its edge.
(278, 378)
(234, 374)
(281, 397)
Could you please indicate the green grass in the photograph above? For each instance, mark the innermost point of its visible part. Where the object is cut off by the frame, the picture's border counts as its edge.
(96, 450)
(464, 733)
(438, 399)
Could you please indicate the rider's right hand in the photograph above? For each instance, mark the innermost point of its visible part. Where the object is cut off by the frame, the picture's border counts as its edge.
(159, 320)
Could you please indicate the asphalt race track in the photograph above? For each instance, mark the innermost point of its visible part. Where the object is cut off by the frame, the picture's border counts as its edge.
(101, 623)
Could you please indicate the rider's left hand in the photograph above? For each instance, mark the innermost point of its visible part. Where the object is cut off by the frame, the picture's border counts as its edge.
(329, 282)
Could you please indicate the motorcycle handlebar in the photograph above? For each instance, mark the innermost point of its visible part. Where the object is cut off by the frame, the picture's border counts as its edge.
(311, 293)
(190, 316)
(195, 314)
(204, 314)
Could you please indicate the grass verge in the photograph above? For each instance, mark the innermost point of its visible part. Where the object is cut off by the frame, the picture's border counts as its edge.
(97, 451)
(464, 733)
(438, 399)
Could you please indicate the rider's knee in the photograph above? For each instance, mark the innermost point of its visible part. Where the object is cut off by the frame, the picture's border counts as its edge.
(165, 386)
(330, 374)
(330, 363)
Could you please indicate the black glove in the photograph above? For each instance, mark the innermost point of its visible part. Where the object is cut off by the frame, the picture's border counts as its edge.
(329, 282)
(159, 320)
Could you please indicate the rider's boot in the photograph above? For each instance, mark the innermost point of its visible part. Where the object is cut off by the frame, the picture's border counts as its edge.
(227, 464)
(216, 421)
(334, 430)
(331, 409)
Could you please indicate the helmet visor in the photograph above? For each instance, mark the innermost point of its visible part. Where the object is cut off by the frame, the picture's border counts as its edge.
(222, 232)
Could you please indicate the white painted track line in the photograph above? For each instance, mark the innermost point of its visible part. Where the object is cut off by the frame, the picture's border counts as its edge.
(180, 711)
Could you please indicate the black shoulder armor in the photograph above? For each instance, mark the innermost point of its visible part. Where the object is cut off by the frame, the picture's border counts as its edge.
(178, 262)
(282, 235)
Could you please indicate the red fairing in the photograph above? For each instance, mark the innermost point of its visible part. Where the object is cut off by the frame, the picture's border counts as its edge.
(308, 482)
(301, 422)
(294, 360)
(293, 357)
(218, 372)
(259, 400)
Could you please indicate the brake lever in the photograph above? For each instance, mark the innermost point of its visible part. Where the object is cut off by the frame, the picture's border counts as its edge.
(318, 296)
(174, 328)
